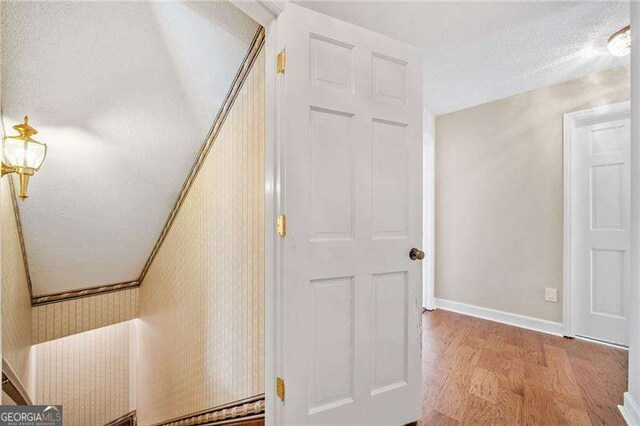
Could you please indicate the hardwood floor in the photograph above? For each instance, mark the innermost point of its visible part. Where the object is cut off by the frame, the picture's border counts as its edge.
(478, 372)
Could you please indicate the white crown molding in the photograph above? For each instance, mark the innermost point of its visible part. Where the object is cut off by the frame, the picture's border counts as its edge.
(264, 12)
(630, 410)
(522, 321)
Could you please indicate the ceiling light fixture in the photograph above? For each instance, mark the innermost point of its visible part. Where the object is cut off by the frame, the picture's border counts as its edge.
(22, 155)
(620, 42)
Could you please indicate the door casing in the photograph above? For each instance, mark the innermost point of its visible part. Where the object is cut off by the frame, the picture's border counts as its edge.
(571, 121)
(429, 212)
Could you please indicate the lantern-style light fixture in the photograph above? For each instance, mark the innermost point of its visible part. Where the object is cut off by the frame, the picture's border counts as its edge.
(22, 155)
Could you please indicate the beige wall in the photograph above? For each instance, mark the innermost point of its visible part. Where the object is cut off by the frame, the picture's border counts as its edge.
(499, 195)
(201, 304)
(16, 301)
(92, 374)
(60, 319)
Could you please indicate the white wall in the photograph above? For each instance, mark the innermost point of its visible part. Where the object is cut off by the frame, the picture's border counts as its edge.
(631, 407)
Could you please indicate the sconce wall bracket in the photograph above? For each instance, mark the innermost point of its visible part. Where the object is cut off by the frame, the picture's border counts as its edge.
(7, 169)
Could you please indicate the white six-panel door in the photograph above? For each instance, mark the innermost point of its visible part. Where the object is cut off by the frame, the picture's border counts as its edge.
(353, 199)
(601, 225)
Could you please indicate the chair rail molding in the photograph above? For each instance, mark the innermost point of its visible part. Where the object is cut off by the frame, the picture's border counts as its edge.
(82, 292)
(245, 410)
(128, 419)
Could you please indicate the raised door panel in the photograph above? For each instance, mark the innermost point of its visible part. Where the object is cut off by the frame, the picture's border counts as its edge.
(389, 332)
(331, 171)
(608, 197)
(390, 173)
(332, 63)
(608, 282)
(608, 138)
(389, 78)
(332, 344)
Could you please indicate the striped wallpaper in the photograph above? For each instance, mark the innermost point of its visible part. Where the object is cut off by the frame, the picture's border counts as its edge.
(92, 374)
(16, 301)
(60, 319)
(201, 324)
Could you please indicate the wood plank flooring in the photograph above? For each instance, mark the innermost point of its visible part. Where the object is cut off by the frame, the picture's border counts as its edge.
(478, 372)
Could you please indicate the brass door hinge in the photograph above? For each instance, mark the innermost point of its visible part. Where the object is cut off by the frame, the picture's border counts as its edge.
(281, 225)
(281, 62)
(280, 388)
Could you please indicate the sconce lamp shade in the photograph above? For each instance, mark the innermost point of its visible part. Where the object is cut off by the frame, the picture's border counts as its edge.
(22, 155)
(21, 151)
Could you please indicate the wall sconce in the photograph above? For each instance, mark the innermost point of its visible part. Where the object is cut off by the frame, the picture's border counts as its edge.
(22, 155)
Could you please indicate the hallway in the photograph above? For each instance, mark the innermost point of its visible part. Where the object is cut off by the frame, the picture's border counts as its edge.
(236, 212)
(481, 372)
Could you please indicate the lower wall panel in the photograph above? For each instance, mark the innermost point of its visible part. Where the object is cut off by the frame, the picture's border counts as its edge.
(91, 374)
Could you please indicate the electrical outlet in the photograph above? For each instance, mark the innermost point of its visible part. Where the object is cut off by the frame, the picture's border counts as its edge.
(551, 295)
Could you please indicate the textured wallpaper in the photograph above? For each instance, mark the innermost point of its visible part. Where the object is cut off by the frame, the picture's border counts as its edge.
(201, 304)
(92, 374)
(61, 319)
(16, 301)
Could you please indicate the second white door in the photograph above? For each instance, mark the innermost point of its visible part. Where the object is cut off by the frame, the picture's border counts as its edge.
(601, 213)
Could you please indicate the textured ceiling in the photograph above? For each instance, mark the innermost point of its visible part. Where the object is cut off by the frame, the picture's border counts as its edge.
(124, 94)
(476, 52)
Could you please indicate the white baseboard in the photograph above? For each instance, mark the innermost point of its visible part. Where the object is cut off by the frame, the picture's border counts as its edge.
(630, 410)
(516, 320)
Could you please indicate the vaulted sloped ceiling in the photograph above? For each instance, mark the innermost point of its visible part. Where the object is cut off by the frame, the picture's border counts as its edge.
(124, 94)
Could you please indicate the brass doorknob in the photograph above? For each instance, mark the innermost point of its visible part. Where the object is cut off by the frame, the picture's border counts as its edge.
(416, 254)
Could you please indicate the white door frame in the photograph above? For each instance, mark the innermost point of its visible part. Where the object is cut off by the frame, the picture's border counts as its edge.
(429, 212)
(274, 195)
(571, 121)
(266, 12)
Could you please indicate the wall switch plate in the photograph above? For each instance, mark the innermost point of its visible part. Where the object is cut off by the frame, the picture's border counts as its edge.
(551, 295)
